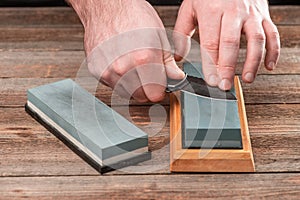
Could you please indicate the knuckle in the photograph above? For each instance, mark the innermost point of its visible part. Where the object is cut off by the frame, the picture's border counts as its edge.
(258, 37)
(275, 34)
(231, 41)
(105, 78)
(119, 69)
(210, 45)
(227, 67)
(143, 57)
(275, 51)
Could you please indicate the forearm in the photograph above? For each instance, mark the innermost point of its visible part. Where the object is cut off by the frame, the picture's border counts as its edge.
(103, 9)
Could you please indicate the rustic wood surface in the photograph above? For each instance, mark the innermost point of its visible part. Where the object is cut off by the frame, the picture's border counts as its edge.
(43, 45)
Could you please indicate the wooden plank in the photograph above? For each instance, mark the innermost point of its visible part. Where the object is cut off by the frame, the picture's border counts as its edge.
(281, 15)
(38, 16)
(39, 46)
(41, 33)
(39, 26)
(285, 15)
(266, 89)
(46, 64)
(289, 34)
(188, 186)
(65, 64)
(273, 89)
(32, 150)
(27, 149)
(15, 91)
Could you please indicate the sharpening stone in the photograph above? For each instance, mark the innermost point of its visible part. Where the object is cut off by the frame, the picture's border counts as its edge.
(215, 124)
(94, 131)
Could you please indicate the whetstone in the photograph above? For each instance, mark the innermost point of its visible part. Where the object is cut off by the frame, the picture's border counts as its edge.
(94, 131)
(209, 135)
(209, 123)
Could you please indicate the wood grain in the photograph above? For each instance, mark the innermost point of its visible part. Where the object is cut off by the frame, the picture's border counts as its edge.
(27, 149)
(281, 15)
(38, 16)
(23, 33)
(39, 46)
(43, 45)
(289, 34)
(44, 28)
(188, 186)
(266, 89)
(65, 64)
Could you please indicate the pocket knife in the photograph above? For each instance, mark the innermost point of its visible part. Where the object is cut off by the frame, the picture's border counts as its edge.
(198, 86)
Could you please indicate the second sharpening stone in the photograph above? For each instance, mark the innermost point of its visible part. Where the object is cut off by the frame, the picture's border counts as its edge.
(93, 130)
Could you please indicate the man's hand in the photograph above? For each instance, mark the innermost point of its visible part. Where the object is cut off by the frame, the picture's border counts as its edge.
(221, 23)
(127, 47)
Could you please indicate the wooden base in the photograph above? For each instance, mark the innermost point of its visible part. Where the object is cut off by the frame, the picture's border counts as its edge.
(209, 160)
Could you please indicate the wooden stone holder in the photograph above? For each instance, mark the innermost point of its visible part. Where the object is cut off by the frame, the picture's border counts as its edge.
(209, 160)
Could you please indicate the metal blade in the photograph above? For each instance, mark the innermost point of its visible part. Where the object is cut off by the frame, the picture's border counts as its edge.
(198, 86)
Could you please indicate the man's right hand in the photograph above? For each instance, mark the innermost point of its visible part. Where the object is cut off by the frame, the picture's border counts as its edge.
(127, 47)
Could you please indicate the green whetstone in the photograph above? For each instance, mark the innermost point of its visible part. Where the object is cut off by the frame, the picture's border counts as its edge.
(98, 134)
(208, 122)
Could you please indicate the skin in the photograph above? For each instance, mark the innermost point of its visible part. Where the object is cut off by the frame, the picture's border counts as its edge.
(131, 57)
(221, 24)
(136, 52)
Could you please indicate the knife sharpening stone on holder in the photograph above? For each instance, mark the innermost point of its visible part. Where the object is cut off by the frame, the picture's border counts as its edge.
(94, 131)
(209, 134)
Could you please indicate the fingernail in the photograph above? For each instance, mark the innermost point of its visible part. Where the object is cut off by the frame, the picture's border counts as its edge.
(213, 80)
(225, 84)
(249, 77)
(271, 65)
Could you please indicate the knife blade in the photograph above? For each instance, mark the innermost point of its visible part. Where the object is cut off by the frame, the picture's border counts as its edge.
(198, 86)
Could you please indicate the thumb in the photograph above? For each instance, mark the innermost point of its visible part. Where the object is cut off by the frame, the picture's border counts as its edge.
(172, 70)
(183, 30)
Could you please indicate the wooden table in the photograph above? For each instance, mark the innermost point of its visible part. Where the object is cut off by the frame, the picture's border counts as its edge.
(43, 45)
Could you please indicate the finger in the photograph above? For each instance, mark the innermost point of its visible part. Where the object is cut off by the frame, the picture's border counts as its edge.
(109, 78)
(129, 85)
(183, 30)
(140, 95)
(153, 79)
(209, 27)
(229, 49)
(172, 70)
(125, 80)
(255, 48)
(123, 64)
(272, 45)
(151, 73)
